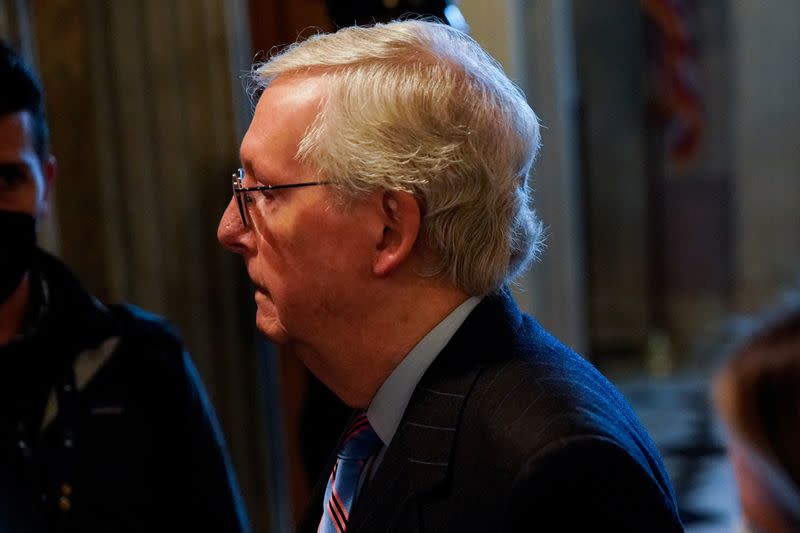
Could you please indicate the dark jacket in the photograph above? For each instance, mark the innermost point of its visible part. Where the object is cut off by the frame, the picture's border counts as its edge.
(105, 424)
(509, 430)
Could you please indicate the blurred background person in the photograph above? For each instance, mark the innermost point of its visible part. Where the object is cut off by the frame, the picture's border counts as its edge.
(104, 423)
(757, 394)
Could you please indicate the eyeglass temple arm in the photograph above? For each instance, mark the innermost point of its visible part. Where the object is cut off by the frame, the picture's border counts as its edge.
(287, 186)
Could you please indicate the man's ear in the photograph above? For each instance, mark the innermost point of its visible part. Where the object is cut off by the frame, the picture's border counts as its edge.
(401, 221)
(49, 175)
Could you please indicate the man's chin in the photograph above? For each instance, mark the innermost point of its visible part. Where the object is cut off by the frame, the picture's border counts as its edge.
(272, 330)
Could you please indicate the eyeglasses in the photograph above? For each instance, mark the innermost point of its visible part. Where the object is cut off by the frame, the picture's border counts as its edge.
(242, 198)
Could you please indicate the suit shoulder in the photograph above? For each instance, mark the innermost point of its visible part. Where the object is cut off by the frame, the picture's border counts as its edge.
(534, 411)
(544, 381)
(544, 393)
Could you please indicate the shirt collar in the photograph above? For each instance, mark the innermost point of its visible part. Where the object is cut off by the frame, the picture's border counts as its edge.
(389, 404)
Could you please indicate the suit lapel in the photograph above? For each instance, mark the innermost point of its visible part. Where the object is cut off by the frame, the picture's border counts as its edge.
(418, 458)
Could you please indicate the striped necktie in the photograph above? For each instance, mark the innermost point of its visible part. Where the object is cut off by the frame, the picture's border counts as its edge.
(359, 444)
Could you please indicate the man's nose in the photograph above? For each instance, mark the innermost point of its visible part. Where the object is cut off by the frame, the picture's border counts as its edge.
(231, 229)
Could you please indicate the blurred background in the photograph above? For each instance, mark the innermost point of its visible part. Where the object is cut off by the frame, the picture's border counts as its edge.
(669, 182)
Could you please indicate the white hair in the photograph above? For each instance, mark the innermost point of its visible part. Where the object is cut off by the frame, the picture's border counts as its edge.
(420, 107)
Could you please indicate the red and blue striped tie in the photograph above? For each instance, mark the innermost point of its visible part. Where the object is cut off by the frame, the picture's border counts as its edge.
(359, 444)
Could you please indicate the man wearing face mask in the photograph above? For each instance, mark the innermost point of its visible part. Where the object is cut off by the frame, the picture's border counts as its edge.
(104, 423)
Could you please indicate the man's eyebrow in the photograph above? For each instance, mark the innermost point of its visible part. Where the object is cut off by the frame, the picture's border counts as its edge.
(258, 177)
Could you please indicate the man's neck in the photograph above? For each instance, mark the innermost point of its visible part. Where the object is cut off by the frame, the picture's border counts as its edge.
(14, 310)
(369, 357)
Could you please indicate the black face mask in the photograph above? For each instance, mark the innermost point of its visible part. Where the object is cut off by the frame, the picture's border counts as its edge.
(17, 247)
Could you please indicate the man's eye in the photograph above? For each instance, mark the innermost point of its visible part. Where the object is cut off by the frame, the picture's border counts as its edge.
(267, 195)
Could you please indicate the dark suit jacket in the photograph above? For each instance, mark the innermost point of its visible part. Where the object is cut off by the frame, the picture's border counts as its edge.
(509, 430)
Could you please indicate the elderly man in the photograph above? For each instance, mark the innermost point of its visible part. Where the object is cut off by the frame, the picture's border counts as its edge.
(382, 207)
